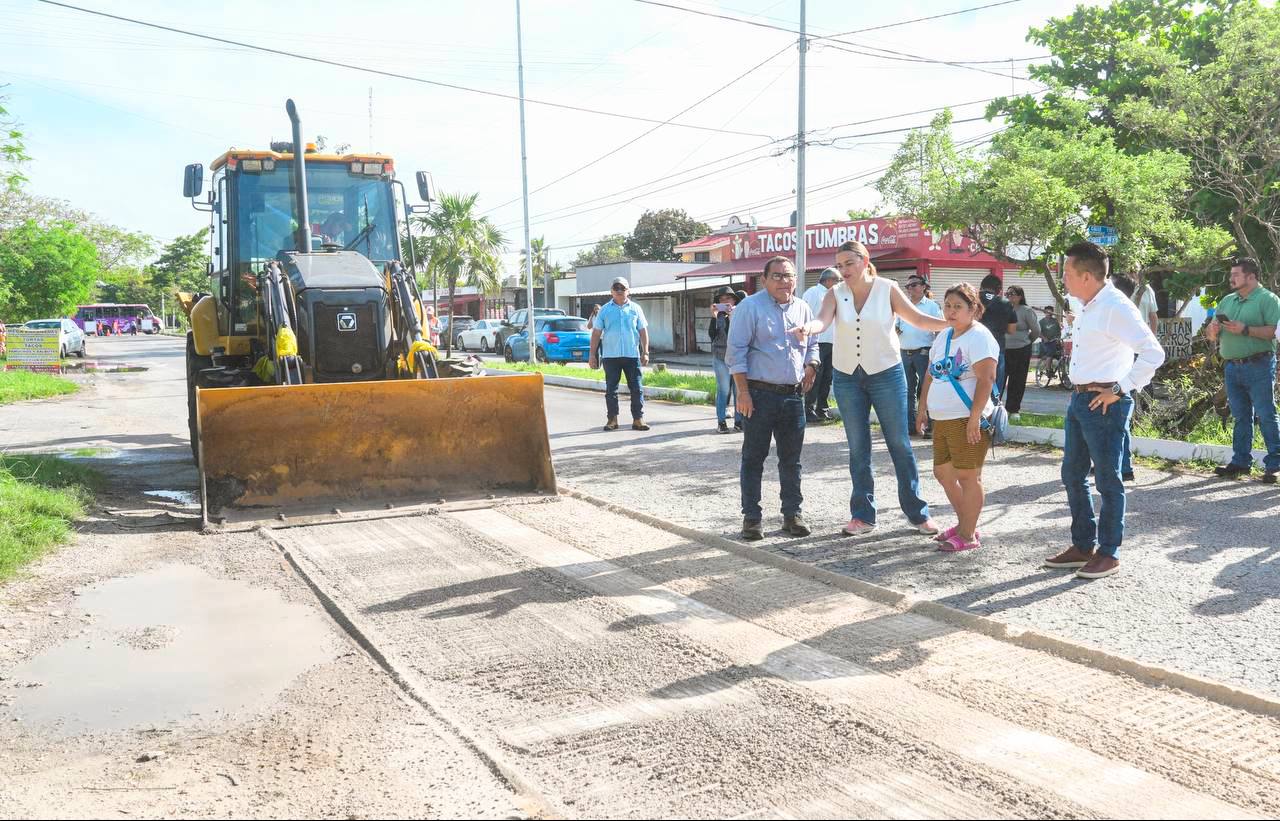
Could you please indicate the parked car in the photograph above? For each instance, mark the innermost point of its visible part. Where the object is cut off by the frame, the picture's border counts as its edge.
(483, 336)
(519, 321)
(70, 340)
(556, 339)
(460, 322)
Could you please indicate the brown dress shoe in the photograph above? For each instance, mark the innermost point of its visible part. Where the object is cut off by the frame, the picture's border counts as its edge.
(638, 424)
(795, 526)
(612, 424)
(1068, 559)
(1099, 567)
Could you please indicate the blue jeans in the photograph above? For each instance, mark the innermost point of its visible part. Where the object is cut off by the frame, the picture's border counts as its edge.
(1000, 369)
(1249, 392)
(614, 368)
(856, 394)
(916, 366)
(1097, 438)
(726, 390)
(781, 419)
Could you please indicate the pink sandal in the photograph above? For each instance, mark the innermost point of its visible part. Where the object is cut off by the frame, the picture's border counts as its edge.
(957, 545)
(950, 532)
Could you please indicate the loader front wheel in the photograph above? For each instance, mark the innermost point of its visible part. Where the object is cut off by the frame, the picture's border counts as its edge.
(195, 364)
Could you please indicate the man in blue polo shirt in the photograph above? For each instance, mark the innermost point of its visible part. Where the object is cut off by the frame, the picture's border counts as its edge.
(626, 347)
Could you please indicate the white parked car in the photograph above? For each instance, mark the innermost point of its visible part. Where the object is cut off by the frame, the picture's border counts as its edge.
(482, 336)
(70, 341)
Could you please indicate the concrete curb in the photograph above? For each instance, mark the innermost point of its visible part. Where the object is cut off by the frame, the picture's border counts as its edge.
(649, 392)
(1225, 694)
(1162, 448)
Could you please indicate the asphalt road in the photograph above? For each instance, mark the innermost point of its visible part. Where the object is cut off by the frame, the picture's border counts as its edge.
(1199, 590)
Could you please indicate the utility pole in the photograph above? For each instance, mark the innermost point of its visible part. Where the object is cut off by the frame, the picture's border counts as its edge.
(524, 182)
(801, 236)
(546, 278)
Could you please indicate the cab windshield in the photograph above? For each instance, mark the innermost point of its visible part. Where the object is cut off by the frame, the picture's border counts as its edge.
(347, 210)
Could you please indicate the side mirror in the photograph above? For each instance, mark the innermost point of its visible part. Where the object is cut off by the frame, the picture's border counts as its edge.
(193, 180)
(424, 186)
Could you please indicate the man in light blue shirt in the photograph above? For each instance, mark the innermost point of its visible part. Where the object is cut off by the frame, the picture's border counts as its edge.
(915, 344)
(626, 347)
(773, 367)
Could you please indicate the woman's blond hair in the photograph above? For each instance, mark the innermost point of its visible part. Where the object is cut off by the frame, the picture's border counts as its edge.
(861, 250)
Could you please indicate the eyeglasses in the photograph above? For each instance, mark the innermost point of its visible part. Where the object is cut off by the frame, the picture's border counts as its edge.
(915, 284)
(781, 276)
(619, 288)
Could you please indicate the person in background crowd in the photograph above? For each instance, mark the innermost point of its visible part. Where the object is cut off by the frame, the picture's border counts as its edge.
(1148, 308)
(1114, 353)
(816, 401)
(591, 320)
(998, 316)
(869, 374)
(773, 367)
(1018, 351)
(721, 311)
(915, 344)
(620, 341)
(1245, 327)
(962, 360)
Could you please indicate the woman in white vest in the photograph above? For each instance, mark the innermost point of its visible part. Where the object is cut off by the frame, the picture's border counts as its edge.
(869, 374)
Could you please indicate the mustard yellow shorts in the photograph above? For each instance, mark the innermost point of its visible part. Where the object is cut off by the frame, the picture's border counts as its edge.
(951, 444)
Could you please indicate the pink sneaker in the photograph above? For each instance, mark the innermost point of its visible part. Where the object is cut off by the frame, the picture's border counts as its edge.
(957, 545)
(857, 527)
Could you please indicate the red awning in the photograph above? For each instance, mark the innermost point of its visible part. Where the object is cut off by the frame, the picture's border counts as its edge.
(755, 264)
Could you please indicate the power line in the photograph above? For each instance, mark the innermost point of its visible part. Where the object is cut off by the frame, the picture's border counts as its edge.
(635, 140)
(854, 48)
(392, 74)
(925, 19)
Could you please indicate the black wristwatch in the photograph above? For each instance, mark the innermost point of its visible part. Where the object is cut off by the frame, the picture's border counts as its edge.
(1116, 389)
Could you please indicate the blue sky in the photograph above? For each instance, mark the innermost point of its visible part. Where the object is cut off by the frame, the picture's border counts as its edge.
(112, 112)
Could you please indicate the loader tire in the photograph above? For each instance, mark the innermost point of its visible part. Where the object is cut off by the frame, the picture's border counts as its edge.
(195, 364)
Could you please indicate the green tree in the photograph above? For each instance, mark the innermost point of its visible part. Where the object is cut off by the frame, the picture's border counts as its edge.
(13, 152)
(182, 265)
(609, 249)
(541, 261)
(1225, 116)
(1034, 192)
(464, 248)
(45, 272)
(657, 232)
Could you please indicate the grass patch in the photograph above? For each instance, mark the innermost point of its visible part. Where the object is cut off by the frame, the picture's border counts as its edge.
(40, 497)
(17, 386)
(652, 379)
(1039, 420)
(1207, 432)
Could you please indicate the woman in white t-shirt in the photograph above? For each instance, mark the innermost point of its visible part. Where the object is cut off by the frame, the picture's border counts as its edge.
(963, 357)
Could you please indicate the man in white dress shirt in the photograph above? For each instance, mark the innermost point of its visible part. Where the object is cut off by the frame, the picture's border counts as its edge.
(1114, 354)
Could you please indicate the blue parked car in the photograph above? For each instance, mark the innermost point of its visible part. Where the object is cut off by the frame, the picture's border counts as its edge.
(557, 339)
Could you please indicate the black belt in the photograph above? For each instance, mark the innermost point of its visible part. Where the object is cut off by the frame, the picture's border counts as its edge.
(773, 387)
(1257, 357)
(915, 350)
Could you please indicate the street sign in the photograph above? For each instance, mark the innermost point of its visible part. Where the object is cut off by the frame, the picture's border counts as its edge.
(1103, 235)
(34, 349)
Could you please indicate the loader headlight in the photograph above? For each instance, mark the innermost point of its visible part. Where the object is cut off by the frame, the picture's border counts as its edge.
(357, 368)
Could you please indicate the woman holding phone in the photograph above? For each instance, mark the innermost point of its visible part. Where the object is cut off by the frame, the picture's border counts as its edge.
(721, 310)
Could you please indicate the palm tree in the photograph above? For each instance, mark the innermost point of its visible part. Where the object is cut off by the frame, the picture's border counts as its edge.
(463, 248)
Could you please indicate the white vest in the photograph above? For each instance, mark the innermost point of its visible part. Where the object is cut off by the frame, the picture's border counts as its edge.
(866, 339)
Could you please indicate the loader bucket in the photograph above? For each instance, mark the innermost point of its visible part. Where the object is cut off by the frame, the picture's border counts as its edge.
(280, 452)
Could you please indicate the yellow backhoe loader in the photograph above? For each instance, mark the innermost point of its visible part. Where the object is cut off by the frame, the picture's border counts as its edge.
(312, 385)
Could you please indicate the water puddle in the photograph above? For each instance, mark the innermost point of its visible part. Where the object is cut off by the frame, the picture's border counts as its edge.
(171, 646)
(100, 367)
(182, 497)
